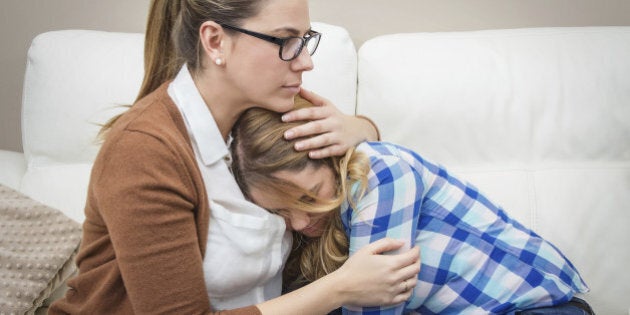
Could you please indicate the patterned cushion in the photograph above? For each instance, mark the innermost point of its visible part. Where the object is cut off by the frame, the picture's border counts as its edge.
(37, 249)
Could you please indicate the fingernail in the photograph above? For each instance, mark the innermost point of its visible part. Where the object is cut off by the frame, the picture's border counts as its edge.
(299, 146)
(285, 117)
(288, 135)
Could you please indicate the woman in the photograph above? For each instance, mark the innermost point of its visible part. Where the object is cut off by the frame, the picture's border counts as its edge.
(476, 259)
(167, 229)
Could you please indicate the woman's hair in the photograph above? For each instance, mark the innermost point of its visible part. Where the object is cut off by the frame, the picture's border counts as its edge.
(259, 151)
(172, 37)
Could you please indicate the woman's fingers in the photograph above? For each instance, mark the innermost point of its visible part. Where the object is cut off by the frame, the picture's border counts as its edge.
(308, 113)
(311, 128)
(333, 150)
(327, 131)
(409, 266)
(322, 144)
(402, 297)
(313, 97)
(413, 279)
(388, 278)
(410, 261)
(324, 137)
(407, 286)
(384, 245)
(411, 257)
(323, 134)
(322, 109)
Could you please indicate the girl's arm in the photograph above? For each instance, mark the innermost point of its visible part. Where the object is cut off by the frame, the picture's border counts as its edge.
(334, 132)
(367, 278)
(390, 208)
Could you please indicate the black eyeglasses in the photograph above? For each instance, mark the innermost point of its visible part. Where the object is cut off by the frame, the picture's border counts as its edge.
(290, 47)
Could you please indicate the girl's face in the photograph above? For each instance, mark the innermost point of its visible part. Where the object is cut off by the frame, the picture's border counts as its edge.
(320, 181)
(255, 67)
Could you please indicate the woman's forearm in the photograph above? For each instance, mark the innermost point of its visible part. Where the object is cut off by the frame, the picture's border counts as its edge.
(319, 297)
(367, 278)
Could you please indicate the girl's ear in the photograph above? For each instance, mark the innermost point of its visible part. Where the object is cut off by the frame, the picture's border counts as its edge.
(211, 36)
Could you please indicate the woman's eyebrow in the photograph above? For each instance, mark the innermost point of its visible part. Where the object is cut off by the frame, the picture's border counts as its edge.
(290, 30)
(314, 190)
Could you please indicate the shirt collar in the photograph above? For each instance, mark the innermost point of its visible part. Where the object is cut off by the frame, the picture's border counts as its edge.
(202, 128)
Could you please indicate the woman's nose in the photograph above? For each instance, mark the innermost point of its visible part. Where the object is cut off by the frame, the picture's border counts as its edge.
(303, 62)
(299, 220)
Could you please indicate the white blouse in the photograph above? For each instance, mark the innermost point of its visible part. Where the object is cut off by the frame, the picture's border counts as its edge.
(247, 246)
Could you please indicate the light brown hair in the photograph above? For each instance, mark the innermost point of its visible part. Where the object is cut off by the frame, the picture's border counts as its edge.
(172, 37)
(259, 151)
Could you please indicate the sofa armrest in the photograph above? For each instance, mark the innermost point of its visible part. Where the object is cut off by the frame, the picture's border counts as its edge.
(12, 168)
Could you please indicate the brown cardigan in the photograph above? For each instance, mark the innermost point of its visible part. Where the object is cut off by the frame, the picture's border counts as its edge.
(146, 226)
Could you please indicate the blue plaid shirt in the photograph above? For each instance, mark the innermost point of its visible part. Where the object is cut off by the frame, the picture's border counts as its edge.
(475, 258)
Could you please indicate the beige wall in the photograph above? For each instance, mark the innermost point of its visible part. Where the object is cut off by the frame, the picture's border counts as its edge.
(21, 20)
(365, 19)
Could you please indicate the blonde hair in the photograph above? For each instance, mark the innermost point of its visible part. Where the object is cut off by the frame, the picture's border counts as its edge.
(172, 37)
(259, 151)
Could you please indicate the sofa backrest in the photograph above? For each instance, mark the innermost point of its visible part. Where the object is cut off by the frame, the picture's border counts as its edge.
(76, 80)
(539, 119)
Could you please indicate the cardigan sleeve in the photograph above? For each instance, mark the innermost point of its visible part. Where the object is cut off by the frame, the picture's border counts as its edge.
(149, 205)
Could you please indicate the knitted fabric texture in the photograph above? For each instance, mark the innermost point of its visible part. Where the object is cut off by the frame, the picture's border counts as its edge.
(36, 243)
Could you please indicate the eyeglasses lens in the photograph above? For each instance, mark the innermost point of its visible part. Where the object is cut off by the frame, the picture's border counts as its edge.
(312, 43)
(293, 46)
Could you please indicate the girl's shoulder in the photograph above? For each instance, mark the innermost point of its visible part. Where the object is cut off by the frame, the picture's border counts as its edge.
(380, 148)
(390, 155)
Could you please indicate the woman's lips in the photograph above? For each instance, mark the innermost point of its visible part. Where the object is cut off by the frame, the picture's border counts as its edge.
(295, 88)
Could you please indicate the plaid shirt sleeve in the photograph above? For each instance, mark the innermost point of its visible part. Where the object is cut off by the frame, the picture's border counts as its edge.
(389, 208)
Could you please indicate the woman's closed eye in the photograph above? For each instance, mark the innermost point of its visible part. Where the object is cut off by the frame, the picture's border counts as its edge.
(307, 199)
(280, 212)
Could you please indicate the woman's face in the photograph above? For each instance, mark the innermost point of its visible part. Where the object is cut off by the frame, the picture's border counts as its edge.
(319, 181)
(255, 67)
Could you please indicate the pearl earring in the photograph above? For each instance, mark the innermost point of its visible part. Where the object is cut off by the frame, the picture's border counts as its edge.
(218, 61)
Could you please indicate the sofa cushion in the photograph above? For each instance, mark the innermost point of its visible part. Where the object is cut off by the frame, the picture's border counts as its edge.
(536, 95)
(12, 168)
(61, 186)
(75, 80)
(539, 119)
(335, 61)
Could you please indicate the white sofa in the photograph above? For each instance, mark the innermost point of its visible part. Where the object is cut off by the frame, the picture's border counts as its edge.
(537, 118)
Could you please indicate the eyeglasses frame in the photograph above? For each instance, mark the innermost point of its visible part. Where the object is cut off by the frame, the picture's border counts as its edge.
(280, 41)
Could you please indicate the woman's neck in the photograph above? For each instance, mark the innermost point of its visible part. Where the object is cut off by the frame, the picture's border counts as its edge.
(225, 105)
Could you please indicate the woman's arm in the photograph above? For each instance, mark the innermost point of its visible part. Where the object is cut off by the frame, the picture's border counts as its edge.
(367, 278)
(335, 132)
(151, 226)
(147, 200)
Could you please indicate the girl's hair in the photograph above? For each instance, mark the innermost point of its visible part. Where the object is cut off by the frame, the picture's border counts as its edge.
(259, 151)
(172, 37)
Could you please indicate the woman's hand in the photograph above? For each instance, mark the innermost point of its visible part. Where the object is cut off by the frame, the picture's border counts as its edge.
(369, 278)
(334, 132)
